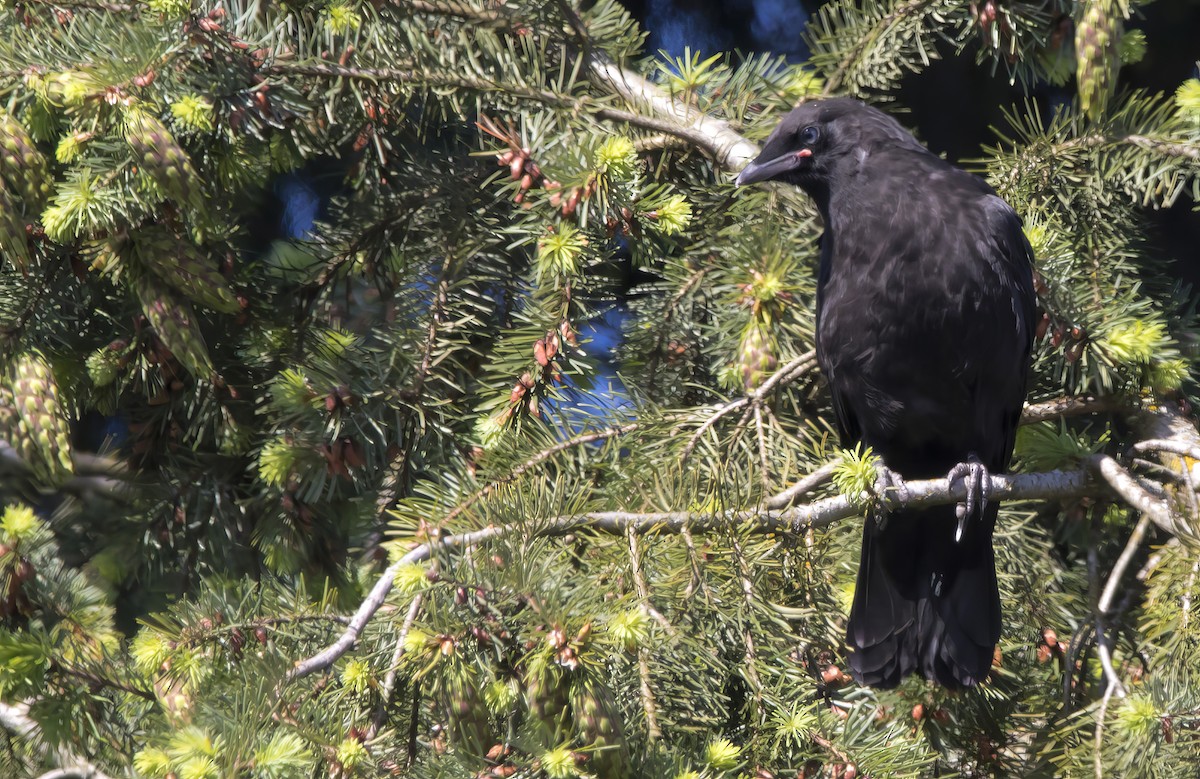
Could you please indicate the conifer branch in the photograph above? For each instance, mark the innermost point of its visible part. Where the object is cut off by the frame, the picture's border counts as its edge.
(710, 135)
(545, 454)
(785, 375)
(716, 137)
(16, 720)
(922, 494)
(835, 80)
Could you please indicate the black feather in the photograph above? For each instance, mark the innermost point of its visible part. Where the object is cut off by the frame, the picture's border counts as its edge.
(925, 319)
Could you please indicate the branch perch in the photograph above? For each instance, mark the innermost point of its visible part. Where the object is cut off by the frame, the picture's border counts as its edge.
(826, 511)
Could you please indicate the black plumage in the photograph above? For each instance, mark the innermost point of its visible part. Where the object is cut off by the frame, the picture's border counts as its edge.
(925, 320)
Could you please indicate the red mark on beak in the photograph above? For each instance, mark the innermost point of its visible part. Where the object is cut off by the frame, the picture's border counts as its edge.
(803, 153)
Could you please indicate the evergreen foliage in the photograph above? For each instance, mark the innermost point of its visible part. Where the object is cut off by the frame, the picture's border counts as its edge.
(369, 505)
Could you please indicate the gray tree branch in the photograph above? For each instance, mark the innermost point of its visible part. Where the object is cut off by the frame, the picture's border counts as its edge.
(796, 519)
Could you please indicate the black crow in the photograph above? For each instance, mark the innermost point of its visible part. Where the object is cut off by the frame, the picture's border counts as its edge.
(925, 320)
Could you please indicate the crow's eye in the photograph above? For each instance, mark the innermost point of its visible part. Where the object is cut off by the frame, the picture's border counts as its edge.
(809, 135)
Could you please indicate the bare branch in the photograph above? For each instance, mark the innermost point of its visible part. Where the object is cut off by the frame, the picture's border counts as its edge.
(1103, 640)
(1071, 406)
(714, 136)
(804, 486)
(1127, 487)
(1100, 715)
(1118, 570)
(1181, 448)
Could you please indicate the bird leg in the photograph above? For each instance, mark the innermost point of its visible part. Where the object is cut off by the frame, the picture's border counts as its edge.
(979, 486)
(890, 485)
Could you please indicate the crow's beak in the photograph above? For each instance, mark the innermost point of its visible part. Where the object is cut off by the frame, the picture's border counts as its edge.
(765, 171)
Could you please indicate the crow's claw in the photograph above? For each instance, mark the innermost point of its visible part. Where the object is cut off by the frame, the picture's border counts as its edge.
(979, 488)
(890, 485)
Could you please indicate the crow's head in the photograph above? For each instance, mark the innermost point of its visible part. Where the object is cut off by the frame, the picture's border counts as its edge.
(822, 142)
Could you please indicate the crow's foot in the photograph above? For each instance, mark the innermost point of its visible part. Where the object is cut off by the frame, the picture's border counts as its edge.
(890, 486)
(979, 487)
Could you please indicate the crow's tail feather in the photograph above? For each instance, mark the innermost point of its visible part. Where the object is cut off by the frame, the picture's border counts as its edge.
(923, 603)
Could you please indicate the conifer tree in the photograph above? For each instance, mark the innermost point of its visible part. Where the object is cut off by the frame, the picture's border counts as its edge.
(362, 499)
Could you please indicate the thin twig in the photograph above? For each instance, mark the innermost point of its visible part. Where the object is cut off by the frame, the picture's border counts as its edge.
(751, 656)
(788, 373)
(1103, 644)
(643, 590)
(830, 747)
(1185, 601)
(803, 487)
(649, 706)
(389, 681)
(540, 457)
(1126, 557)
(764, 461)
(1123, 483)
(1100, 715)
(697, 580)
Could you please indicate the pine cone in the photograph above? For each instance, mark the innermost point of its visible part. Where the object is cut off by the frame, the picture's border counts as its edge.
(182, 267)
(470, 731)
(14, 243)
(174, 322)
(13, 430)
(549, 706)
(157, 152)
(598, 723)
(23, 167)
(41, 418)
(1097, 38)
(756, 355)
